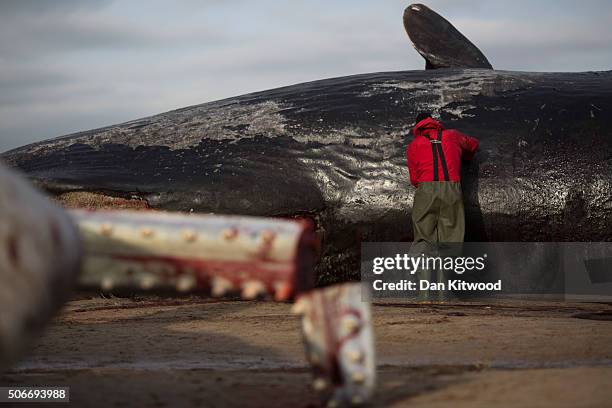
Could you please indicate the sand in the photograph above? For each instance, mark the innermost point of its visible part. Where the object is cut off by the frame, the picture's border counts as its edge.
(192, 352)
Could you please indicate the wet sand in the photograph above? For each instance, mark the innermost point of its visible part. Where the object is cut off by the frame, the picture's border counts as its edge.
(191, 352)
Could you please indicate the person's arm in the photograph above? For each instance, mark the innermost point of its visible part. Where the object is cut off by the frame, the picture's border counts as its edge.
(469, 145)
(411, 159)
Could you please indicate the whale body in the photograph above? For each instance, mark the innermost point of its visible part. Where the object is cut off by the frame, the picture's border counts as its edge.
(334, 151)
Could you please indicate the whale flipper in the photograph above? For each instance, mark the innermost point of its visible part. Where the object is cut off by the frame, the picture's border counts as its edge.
(439, 42)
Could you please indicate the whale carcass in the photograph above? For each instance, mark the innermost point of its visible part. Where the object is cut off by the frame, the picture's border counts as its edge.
(334, 151)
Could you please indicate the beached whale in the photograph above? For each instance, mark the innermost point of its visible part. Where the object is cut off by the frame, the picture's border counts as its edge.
(334, 150)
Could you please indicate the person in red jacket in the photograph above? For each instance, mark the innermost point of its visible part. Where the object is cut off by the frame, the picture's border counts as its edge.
(434, 162)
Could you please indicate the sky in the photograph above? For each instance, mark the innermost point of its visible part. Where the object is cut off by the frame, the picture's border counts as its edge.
(72, 65)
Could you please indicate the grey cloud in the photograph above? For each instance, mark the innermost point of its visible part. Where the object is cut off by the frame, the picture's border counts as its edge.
(10, 8)
(542, 46)
(22, 83)
(39, 36)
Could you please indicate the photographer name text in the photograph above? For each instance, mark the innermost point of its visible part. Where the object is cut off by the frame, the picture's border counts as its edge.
(454, 284)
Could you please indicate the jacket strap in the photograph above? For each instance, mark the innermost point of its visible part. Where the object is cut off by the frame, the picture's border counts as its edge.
(438, 154)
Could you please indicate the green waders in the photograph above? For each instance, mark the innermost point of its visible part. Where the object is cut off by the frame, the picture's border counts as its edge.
(437, 217)
(437, 213)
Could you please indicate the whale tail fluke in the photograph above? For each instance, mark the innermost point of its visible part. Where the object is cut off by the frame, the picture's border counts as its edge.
(439, 42)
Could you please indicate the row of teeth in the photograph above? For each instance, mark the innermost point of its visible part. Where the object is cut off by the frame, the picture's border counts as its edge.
(251, 289)
(228, 234)
(349, 325)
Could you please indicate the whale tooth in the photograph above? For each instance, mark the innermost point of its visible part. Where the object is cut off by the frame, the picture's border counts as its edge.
(268, 236)
(299, 307)
(147, 282)
(185, 283)
(319, 384)
(282, 291)
(146, 232)
(253, 289)
(230, 233)
(220, 286)
(355, 356)
(189, 236)
(106, 229)
(107, 283)
(358, 377)
(350, 324)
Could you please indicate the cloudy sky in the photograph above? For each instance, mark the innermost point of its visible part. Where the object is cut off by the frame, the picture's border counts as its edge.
(70, 65)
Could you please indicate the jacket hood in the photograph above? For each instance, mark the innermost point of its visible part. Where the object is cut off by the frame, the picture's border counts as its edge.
(427, 124)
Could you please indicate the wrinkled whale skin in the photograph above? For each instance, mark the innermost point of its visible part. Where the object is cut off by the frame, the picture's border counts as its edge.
(334, 150)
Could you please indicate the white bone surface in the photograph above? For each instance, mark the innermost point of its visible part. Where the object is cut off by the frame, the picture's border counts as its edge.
(337, 331)
(150, 250)
(39, 262)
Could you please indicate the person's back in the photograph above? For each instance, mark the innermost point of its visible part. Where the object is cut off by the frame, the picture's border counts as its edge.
(434, 162)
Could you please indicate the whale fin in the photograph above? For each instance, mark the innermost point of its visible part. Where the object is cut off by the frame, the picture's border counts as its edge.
(439, 42)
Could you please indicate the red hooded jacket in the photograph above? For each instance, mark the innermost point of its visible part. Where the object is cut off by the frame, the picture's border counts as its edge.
(455, 145)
